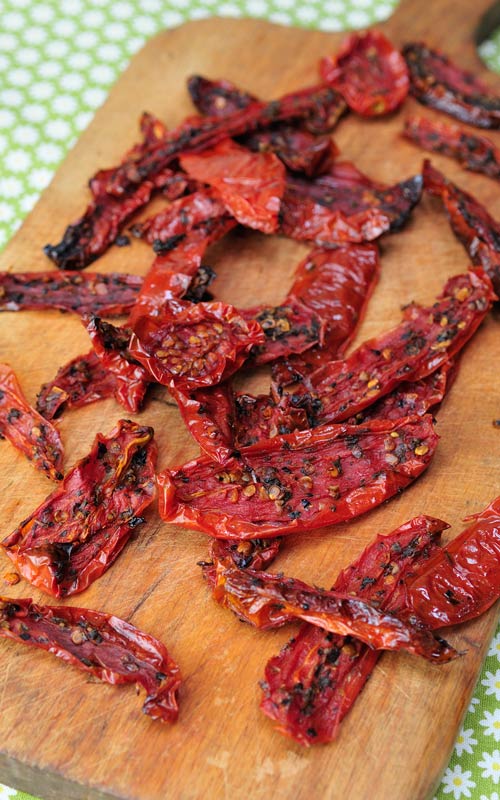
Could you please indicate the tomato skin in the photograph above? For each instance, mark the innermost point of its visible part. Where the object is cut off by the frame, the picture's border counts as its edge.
(29, 432)
(309, 687)
(370, 74)
(470, 221)
(437, 82)
(81, 381)
(72, 538)
(300, 481)
(473, 152)
(100, 644)
(462, 580)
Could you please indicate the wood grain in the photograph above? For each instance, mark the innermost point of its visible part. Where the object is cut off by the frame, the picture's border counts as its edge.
(67, 738)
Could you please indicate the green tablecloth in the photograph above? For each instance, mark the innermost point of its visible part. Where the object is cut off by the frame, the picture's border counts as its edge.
(58, 58)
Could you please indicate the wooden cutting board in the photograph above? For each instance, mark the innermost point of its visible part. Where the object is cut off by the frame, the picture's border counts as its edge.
(66, 737)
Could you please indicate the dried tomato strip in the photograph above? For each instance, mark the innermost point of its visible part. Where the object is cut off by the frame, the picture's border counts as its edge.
(81, 381)
(249, 184)
(194, 345)
(344, 205)
(370, 74)
(23, 426)
(256, 555)
(462, 580)
(291, 327)
(110, 344)
(437, 82)
(337, 284)
(475, 153)
(299, 149)
(80, 529)
(316, 105)
(316, 678)
(300, 481)
(209, 416)
(179, 218)
(470, 222)
(109, 294)
(425, 340)
(269, 601)
(103, 645)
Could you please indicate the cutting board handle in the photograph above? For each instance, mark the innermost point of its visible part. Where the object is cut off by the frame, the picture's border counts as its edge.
(415, 20)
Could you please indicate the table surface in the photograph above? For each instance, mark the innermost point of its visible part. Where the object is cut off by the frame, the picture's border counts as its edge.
(56, 65)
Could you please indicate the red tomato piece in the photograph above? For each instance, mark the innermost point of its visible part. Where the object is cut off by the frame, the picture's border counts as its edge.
(269, 601)
(462, 580)
(370, 74)
(475, 153)
(81, 528)
(437, 82)
(194, 345)
(109, 294)
(23, 426)
(314, 681)
(250, 185)
(81, 381)
(470, 222)
(100, 644)
(300, 481)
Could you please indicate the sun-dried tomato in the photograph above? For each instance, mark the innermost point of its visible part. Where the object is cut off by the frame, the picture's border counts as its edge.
(249, 184)
(462, 580)
(257, 555)
(87, 293)
(412, 397)
(23, 426)
(217, 98)
(299, 149)
(269, 601)
(318, 106)
(475, 153)
(80, 529)
(291, 327)
(194, 345)
(209, 417)
(426, 339)
(179, 218)
(370, 74)
(173, 271)
(437, 82)
(110, 344)
(337, 284)
(258, 418)
(300, 481)
(470, 221)
(81, 381)
(344, 205)
(103, 645)
(314, 681)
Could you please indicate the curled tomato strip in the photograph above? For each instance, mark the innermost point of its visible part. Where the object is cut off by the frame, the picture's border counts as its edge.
(426, 340)
(183, 215)
(370, 74)
(250, 185)
(291, 327)
(462, 580)
(471, 223)
(269, 601)
(81, 381)
(101, 644)
(29, 432)
(109, 294)
(298, 148)
(343, 205)
(437, 82)
(110, 344)
(316, 678)
(81, 528)
(475, 153)
(300, 481)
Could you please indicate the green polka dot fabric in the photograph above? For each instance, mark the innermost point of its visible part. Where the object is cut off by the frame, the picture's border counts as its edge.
(58, 59)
